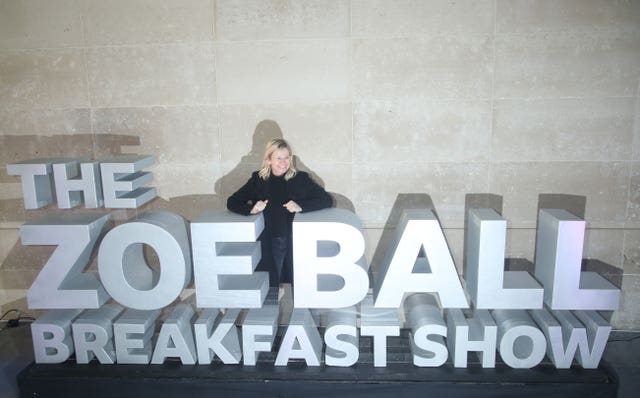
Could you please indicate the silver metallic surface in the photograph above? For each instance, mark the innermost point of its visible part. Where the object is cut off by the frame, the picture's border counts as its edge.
(580, 334)
(258, 332)
(559, 244)
(476, 334)
(598, 331)
(378, 323)
(132, 335)
(521, 344)
(51, 336)
(123, 181)
(341, 337)
(37, 181)
(301, 340)
(124, 270)
(428, 330)
(217, 334)
(490, 286)
(74, 180)
(225, 255)
(175, 339)
(330, 270)
(61, 283)
(93, 334)
(418, 228)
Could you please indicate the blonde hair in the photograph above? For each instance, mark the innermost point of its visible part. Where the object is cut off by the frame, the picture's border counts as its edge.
(272, 146)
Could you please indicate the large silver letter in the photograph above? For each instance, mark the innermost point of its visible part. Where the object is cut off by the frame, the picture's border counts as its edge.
(51, 336)
(217, 334)
(61, 283)
(124, 269)
(123, 182)
(341, 351)
(70, 190)
(176, 338)
(378, 323)
(37, 181)
(258, 332)
(478, 334)
(559, 242)
(132, 335)
(589, 341)
(437, 274)
(522, 345)
(330, 270)
(490, 287)
(93, 334)
(303, 334)
(225, 254)
(424, 317)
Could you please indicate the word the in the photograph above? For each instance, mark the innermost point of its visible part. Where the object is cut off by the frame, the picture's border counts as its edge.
(113, 183)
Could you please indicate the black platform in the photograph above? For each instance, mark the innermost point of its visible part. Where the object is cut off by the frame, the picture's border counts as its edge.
(298, 380)
(399, 379)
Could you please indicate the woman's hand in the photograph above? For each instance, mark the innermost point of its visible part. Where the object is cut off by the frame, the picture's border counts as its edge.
(292, 206)
(259, 206)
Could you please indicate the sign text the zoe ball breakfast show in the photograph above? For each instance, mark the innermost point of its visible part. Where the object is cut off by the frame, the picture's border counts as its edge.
(114, 316)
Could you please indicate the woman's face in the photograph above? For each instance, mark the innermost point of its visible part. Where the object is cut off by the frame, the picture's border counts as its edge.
(280, 161)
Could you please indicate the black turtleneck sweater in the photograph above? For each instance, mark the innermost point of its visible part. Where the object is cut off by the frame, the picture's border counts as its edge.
(301, 189)
(276, 215)
(278, 221)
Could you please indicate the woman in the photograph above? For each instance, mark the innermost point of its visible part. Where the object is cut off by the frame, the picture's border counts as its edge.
(278, 191)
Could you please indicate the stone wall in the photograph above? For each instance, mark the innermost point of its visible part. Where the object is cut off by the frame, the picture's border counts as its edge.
(387, 103)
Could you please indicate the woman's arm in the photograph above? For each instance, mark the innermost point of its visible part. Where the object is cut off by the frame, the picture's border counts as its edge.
(243, 200)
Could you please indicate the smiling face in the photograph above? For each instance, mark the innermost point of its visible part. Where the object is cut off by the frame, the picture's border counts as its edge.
(280, 161)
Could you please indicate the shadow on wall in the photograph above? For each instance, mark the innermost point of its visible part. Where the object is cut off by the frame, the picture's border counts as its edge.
(191, 206)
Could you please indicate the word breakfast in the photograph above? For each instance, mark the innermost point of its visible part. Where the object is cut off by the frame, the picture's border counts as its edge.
(111, 317)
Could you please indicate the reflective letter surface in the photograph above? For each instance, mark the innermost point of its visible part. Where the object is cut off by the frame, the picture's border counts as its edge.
(123, 181)
(37, 181)
(124, 270)
(490, 287)
(132, 335)
(559, 242)
(70, 190)
(329, 268)
(437, 274)
(225, 254)
(51, 334)
(61, 283)
(93, 334)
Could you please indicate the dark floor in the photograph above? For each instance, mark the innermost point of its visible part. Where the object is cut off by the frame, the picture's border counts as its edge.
(623, 353)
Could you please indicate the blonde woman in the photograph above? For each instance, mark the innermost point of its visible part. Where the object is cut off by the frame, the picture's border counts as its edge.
(278, 191)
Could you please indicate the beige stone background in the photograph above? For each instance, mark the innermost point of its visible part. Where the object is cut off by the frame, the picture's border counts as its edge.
(378, 98)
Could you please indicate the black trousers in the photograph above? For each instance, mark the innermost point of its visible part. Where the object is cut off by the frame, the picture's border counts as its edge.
(282, 272)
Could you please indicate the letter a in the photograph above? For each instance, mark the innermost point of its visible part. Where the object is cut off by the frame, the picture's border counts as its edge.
(418, 229)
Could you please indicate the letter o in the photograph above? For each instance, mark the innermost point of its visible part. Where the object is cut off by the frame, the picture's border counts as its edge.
(124, 271)
(523, 346)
